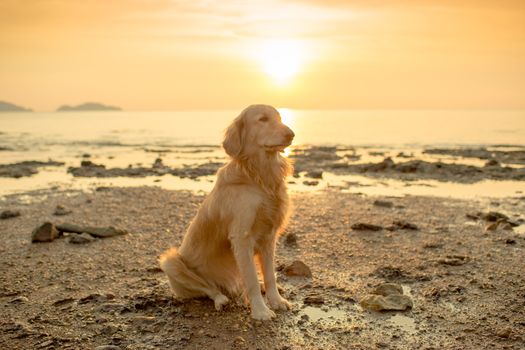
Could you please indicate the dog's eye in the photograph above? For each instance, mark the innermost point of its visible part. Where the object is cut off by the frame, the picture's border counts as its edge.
(263, 119)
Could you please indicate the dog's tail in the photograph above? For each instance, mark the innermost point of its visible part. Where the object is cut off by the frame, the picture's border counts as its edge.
(184, 282)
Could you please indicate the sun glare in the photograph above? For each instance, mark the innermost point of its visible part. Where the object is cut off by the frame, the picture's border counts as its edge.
(281, 59)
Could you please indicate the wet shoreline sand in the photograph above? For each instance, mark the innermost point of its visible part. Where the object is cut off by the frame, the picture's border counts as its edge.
(466, 282)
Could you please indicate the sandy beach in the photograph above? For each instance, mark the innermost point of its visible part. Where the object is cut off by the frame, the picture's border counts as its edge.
(463, 275)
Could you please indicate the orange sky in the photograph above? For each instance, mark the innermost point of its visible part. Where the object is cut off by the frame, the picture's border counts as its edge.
(160, 54)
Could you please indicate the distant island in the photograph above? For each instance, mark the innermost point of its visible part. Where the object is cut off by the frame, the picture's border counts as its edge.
(88, 106)
(9, 107)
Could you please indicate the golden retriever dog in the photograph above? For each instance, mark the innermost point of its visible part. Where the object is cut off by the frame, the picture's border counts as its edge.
(239, 220)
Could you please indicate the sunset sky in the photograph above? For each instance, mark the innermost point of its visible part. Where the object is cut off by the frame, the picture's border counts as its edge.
(162, 55)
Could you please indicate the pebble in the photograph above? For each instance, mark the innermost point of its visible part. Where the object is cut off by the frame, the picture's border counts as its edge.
(404, 225)
(45, 232)
(384, 204)
(360, 226)
(8, 214)
(290, 239)
(454, 260)
(313, 299)
(60, 210)
(107, 347)
(315, 174)
(311, 183)
(81, 238)
(297, 269)
(19, 300)
(101, 232)
(391, 302)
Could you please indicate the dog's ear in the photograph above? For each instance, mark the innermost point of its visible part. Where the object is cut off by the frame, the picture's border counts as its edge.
(234, 137)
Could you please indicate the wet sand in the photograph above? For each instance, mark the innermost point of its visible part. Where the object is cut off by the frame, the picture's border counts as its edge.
(466, 282)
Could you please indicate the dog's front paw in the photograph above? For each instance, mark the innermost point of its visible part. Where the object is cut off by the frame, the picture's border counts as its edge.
(279, 303)
(220, 300)
(262, 313)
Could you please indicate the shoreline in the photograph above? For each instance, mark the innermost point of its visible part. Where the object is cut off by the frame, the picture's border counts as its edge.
(111, 292)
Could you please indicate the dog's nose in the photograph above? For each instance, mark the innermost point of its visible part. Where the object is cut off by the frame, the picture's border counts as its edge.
(289, 134)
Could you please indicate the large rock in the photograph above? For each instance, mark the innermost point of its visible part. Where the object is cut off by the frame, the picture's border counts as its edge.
(45, 232)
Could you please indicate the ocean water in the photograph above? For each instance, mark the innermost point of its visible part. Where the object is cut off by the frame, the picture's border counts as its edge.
(122, 139)
(318, 127)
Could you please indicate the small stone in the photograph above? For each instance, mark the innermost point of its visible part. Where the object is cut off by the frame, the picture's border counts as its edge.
(311, 183)
(386, 289)
(383, 204)
(46, 343)
(454, 260)
(19, 300)
(510, 241)
(45, 232)
(60, 210)
(405, 225)
(504, 333)
(313, 299)
(290, 239)
(360, 226)
(8, 214)
(107, 347)
(494, 216)
(81, 238)
(297, 269)
(391, 302)
(315, 174)
(492, 162)
(239, 339)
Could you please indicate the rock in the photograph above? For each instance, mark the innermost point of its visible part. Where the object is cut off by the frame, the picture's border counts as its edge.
(504, 333)
(384, 204)
(46, 343)
(61, 210)
(239, 339)
(500, 224)
(313, 299)
(8, 214)
(454, 260)
(45, 232)
(492, 162)
(158, 163)
(297, 269)
(311, 183)
(108, 347)
(101, 232)
(397, 302)
(19, 300)
(404, 225)
(25, 168)
(290, 239)
(494, 216)
(81, 238)
(386, 289)
(360, 226)
(510, 241)
(315, 174)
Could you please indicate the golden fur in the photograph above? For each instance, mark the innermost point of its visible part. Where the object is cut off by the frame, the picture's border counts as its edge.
(241, 218)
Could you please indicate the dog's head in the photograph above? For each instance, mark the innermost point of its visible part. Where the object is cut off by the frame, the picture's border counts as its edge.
(258, 128)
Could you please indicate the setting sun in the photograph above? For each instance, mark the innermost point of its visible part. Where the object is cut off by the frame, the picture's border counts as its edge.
(281, 59)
